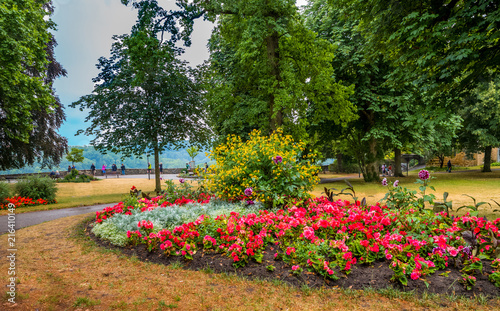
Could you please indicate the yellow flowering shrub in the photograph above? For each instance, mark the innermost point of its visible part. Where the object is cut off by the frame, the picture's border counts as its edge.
(270, 169)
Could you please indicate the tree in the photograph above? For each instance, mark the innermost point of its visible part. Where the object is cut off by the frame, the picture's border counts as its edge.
(433, 40)
(391, 116)
(267, 69)
(481, 114)
(193, 152)
(75, 155)
(30, 112)
(145, 98)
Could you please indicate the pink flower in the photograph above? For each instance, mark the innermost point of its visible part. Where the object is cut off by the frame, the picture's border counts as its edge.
(248, 191)
(423, 174)
(277, 159)
(384, 182)
(181, 180)
(396, 183)
(295, 268)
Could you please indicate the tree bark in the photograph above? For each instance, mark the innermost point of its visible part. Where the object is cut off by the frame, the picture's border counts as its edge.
(275, 117)
(371, 166)
(397, 163)
(487, 160)
(157, 168)
(339, 162)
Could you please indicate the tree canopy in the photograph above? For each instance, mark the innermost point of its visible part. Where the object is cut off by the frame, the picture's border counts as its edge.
(30, 112)
(145, 99)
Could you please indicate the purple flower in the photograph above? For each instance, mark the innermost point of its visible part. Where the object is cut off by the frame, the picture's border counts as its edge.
(424, 174)
(384, 182)
(396, 183)
(248, 191)
(250, 202)
(277, 159)
(181, 180)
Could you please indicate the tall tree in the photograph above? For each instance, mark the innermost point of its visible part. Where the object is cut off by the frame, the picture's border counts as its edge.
(267, 68)
(391, 116)
(30, 112)
(481, 114)
(145, 99)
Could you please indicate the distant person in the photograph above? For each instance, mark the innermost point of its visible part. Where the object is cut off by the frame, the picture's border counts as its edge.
(114, 168)
(206, 167)
(69, 168)
(383, 169)
(389, 171)
(52, 174)
(123, 169)
(92, 169)
(149, 168)
(161, 168)
(187, 167)
(104, 169)
(73, 167)
(58, 174)
(449, 166)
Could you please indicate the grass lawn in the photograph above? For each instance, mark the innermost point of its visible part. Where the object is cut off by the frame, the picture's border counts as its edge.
(481, 186)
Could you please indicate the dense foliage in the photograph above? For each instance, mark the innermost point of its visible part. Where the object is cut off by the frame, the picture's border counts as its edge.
(35, 187)
(271, 169)
(4, 191)
(30, 112)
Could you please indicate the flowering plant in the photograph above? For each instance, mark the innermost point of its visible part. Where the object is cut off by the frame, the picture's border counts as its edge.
(270, 169)
(469, 281)
(402, 198)
(19, 201)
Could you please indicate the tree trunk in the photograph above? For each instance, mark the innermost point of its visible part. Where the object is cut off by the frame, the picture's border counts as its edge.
(275, 115)
(397, 163)
(487, 159)
(157, 169)
(371, 166)
(441, 160)
(339, 162)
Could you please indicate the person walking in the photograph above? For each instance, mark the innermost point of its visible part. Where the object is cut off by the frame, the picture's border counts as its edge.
(206, 167)
(123, 169)
(161, 168)
(383, 169)
(104, 170)
(149, 168)
(69, 168)
(92, 169)
(449, 166)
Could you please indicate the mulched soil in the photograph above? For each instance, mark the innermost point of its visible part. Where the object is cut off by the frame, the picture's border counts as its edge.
(376, 276)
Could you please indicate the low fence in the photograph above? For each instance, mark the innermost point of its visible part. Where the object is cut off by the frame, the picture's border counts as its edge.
(98, 172)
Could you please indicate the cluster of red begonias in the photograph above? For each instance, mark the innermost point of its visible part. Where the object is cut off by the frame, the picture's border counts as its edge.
(324, 236)
(23, 201)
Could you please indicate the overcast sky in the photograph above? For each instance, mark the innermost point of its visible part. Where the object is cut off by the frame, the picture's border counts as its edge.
(84, 31)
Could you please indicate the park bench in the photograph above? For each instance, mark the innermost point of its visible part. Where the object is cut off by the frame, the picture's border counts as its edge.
(117, 173)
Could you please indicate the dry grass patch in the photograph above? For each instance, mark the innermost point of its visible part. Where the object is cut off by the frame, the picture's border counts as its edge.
(57, 271)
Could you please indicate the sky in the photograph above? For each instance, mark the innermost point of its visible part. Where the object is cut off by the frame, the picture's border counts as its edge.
(84, 33)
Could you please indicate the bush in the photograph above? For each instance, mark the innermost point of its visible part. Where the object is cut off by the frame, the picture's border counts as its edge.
(35, 187)
(270, 169)
(4, 192)
(74, 176)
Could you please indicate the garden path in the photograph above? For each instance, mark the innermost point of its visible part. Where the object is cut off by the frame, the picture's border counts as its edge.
(35, 218)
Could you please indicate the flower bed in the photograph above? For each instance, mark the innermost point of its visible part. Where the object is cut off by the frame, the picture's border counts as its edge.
(23, 202)
(330, 238)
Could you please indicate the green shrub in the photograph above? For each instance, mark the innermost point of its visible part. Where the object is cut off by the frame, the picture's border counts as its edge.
(74, 176)
(273, 168)
(495, 164)
(37, 188)
(4, 192)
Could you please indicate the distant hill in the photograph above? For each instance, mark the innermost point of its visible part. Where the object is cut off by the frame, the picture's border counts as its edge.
(169, 158)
